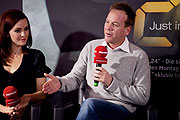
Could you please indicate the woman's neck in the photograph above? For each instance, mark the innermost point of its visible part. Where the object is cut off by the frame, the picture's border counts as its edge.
(16, 52)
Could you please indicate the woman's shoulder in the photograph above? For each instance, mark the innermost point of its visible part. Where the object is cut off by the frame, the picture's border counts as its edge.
(36, 58)
(34, 55)
(35, 52)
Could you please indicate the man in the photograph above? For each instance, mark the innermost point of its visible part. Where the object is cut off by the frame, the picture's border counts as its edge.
(124, 81)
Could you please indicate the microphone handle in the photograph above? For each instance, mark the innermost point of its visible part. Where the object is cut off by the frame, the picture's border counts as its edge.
(96, 82)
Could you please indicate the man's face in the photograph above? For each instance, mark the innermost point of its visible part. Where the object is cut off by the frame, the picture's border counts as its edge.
(114, 28)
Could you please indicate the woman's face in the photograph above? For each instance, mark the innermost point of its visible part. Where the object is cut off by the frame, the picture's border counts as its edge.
(19, 33)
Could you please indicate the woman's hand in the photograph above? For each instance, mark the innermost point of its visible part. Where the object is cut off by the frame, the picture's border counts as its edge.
(7, 110)
(21, 106)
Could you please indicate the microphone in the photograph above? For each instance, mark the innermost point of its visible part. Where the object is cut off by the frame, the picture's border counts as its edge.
(100, 54)
(10, 93)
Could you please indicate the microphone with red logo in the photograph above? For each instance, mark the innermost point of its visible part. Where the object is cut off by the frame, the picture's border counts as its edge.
(100, 54)
(10, 93)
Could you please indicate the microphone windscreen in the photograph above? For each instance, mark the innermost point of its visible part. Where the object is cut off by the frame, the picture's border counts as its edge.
(10, 92)
(100, 51)
(100, 54)
(13, 101)
(100, 60)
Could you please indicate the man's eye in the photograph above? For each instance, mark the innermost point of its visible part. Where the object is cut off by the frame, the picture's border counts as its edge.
(107, 21)
(115, 25)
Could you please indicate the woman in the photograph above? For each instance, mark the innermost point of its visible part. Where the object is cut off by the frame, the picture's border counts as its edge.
(20, 66)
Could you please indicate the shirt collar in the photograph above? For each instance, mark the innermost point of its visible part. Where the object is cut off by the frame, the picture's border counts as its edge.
(124, 46)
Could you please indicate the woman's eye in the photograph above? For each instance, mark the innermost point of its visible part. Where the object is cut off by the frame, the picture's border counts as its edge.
(26, 29)
(17, 31)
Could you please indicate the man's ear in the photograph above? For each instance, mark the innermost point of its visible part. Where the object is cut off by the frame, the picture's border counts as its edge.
(128, 30)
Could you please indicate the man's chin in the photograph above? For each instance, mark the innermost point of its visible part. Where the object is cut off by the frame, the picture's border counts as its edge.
(108, 39)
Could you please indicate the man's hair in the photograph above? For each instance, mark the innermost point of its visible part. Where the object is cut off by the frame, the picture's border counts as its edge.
(127, 9)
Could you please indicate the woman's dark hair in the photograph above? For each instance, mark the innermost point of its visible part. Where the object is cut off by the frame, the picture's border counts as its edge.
(7, 21)
(126, 8)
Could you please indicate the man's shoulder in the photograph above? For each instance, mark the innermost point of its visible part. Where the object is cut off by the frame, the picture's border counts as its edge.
(136, 49)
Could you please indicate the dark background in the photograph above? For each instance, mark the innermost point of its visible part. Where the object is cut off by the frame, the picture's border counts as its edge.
(75, 22)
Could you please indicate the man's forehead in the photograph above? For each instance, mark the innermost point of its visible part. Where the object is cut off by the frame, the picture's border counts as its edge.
(117, 15)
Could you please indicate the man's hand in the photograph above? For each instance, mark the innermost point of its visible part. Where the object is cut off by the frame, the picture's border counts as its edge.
(52, 85)
(101, 75)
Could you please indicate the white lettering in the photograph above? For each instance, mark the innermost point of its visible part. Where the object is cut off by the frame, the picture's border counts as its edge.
(161, 26)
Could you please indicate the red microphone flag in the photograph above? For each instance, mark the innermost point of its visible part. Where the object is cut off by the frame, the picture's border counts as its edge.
(100, 54)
